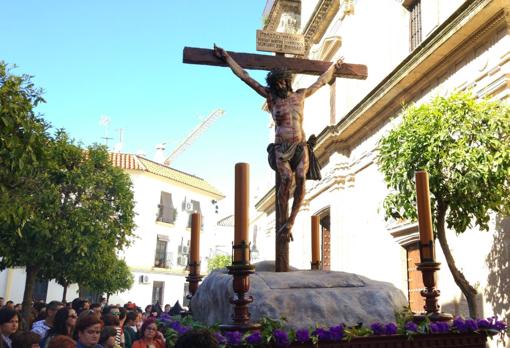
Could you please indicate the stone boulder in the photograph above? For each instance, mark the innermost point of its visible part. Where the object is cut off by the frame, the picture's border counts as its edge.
(304, 298)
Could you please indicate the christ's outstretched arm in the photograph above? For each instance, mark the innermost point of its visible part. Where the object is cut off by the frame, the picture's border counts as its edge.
(240, 72)
(324, 78)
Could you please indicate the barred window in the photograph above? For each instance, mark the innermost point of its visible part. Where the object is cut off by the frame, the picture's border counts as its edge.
(415, 24)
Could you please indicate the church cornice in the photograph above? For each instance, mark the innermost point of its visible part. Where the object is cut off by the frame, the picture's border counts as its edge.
(465, 28)
(319, 21)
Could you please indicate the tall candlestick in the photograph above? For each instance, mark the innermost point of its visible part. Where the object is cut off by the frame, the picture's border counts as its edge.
(315, 241)
(241, 212)
(424, 215)
(195, 238)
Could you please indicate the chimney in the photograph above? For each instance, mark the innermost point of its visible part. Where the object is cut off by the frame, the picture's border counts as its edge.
(159, 156)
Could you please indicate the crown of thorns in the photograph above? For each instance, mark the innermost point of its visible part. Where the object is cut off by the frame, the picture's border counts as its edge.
(278, 74)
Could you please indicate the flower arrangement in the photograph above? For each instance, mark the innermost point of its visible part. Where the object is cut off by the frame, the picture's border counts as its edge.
(273, 332)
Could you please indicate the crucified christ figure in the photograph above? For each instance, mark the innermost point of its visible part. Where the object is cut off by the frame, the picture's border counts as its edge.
(291, 151)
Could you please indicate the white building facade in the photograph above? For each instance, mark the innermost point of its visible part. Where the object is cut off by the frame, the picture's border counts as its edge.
(414, 50)
(164, 198)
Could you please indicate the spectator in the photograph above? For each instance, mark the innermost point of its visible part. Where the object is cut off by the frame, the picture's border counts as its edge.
(42, 327)
(26, 339)
(148, 311)
(113, 319)
(9, 304)
(167, 308)
(17, 307)
(86, 305)
(9, 323)
(149, 335)
(130, 329)
(197, 338)
(107, 339)
(88, 330)
(61, 341)
(64, 324)
(96, 308)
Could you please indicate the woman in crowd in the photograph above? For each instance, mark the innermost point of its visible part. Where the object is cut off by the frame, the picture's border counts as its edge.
(61, 341)
(107, 339)
(26, 339)
(64, 323)
(9, 323)
(150, 337)
(88, 329)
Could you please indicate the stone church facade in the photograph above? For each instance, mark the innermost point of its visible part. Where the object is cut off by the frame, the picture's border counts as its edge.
(414, 50)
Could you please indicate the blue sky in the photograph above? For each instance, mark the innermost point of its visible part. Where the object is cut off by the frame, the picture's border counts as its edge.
(123, 59)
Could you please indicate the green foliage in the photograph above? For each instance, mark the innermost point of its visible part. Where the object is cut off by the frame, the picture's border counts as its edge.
(23, 138)
(108, 274)
(62, 208)
(464, 145)
(218, 262)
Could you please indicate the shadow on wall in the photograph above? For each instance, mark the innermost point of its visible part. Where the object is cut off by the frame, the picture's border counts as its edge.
(498, 260)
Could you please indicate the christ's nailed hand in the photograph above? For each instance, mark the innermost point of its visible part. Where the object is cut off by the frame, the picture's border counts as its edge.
(220, 52)
(339, 63)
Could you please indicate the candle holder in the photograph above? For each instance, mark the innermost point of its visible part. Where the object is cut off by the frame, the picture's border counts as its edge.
(315, 266)
(428, 268)
(241, 270)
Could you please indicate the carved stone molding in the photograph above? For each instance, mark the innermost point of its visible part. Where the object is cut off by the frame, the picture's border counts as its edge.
(320, 20)
(279, 8)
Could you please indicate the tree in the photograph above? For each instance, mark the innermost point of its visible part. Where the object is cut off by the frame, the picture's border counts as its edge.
(55, 198)
(109, 276)
(96, 209)
(218, 262)
(464, 145)
(23, 138)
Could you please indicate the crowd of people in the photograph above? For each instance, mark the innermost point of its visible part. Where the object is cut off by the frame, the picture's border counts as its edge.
(81, 324)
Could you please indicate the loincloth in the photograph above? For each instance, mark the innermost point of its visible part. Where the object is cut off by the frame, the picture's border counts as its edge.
(293, 153)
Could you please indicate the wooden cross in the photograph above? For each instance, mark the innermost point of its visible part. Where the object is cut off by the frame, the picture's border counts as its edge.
(203, 56)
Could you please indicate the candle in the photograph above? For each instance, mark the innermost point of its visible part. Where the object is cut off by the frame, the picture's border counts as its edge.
(241, 210)
(195, 238)
(424, 214)
(315, 239)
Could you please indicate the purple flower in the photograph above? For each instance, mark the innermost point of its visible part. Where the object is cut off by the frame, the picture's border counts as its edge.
(484, 324)
(281, 338)
(302, 335)
(378, 329)
(234, 338)
(496, 324)
(254, 338)
(471, 325)
(411, 327)
(336, 333)
(175, 325)
(391, 329)
(439, 327)
(459, 324)
(220, 338)
(322, 334)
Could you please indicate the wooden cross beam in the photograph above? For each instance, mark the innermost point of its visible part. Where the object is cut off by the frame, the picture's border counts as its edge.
(204, 56)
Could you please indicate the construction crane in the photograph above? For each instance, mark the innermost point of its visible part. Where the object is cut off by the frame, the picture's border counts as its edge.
(206, 123)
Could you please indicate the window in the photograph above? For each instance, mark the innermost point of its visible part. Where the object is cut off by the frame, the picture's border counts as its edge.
(415, 24)
(162, 258)
(158, 289)
(167, 213)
